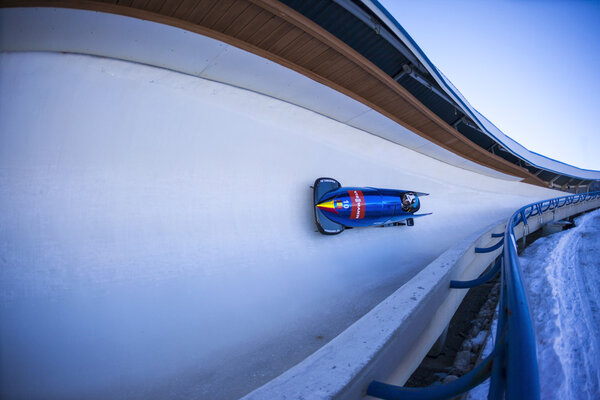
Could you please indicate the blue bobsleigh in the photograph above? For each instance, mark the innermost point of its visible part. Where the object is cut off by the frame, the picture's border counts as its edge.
(337, 207)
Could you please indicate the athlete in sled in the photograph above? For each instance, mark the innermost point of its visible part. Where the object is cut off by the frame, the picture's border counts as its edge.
(338, 207)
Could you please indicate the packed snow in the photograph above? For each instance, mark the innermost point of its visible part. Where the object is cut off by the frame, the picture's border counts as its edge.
(562, 276)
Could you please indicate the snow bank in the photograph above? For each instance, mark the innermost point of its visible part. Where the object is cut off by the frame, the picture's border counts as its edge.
(562, 276)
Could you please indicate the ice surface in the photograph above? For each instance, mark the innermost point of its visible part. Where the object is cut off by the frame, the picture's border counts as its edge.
(157, 237)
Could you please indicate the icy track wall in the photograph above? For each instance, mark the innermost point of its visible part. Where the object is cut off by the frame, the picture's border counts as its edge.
(157, 231)
(119, 37)
(390, 341)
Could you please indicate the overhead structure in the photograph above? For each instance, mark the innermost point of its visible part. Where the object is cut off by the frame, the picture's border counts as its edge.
(357, 48)
(368, 28)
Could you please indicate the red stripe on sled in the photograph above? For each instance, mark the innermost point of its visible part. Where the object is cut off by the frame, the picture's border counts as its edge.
(358, 204)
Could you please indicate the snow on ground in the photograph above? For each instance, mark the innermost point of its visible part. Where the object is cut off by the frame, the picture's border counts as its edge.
(562, 276)
(561, 273)
(157, 236)
(481, 392)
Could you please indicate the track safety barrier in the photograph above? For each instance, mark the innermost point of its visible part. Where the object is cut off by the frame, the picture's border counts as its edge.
(512, 364)
(489, 249)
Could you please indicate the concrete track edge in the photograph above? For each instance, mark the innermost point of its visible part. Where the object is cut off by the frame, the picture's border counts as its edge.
(390, 341)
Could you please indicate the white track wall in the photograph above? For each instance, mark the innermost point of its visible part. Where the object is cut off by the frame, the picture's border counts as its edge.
(157, 236)
(125, 38)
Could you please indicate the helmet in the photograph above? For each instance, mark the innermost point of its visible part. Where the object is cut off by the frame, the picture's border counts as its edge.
(410, 202)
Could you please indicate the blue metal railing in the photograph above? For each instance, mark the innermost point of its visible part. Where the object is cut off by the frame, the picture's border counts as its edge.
(490, 249)
(512, 364)
(488, 276)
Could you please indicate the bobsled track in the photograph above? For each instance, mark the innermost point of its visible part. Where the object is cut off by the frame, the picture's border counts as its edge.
(157, 237)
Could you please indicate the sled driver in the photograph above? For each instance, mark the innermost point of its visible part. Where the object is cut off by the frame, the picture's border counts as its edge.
(409, 202)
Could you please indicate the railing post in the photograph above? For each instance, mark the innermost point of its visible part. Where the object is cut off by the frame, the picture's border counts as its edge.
(525, 231)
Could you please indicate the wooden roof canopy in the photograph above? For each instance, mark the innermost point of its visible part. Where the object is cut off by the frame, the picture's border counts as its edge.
(275, 31)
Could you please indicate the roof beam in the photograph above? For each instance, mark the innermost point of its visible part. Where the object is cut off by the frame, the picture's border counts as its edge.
(554, 180)
(435, 90)
(406, 69)
(381, 30)
(458, 121)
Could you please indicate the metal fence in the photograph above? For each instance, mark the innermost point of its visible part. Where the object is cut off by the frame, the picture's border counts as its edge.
(512, 363)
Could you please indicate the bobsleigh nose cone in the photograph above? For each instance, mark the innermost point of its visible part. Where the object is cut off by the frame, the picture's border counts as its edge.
(328, 205)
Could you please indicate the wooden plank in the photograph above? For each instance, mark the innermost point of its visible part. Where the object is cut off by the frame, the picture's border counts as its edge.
(201, 10)
(470, 152)
(457, 144)
(169, 7)
(406, 108)
(236, 9)
(265, 31)
(368, 88)
(331, 63)
(296, 46)
(395, 104)
(154, 5)
(309, 53)
(140, 4)
(450, 141)
(336, 66)
(254, 25)
(285, 40)
(437, 135)
(243, 20)
(357, 74)
(185, 9)
(349, 67)
(271, 38)
(420, 123)
(383, 96)
(349, 75)
(124, 3)
(467, 149)
(425, 125)
(410, 116)
(216, 12)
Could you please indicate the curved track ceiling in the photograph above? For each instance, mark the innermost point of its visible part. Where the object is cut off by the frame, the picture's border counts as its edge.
(276, 31)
